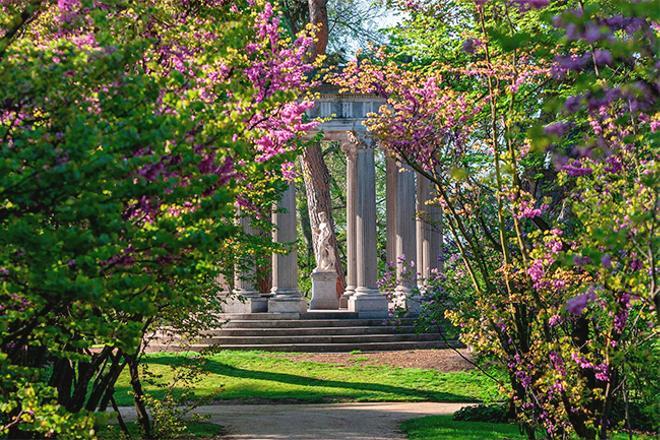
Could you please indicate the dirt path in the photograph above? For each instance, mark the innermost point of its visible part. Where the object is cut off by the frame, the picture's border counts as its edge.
(336, 421)
(441, 360)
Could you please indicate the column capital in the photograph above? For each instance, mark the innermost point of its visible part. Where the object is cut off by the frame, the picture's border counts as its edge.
(349, 148)
(362, 140)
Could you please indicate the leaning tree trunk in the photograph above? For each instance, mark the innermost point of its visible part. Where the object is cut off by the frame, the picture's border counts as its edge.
(315, 171)
(317, 187)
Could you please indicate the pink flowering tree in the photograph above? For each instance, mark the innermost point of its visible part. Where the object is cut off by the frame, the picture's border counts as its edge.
(130, 133)
(536, 122)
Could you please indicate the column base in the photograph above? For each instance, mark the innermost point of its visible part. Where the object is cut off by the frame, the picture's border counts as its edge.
(324, 291)
(368, 303)
(343, 300)
(407, 299)
(413, 305)
(293, 304)
(245, 302)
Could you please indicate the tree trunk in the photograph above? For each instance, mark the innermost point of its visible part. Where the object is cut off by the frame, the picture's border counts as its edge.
(317, 187)
(306, 226)
(138, 398)
(318, 15)
(315, 171)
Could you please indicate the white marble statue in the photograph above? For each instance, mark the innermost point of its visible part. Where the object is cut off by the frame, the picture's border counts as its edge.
(325, 259)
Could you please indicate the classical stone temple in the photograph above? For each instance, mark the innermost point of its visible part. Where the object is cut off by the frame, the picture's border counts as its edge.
(414, 236)
(281, 320)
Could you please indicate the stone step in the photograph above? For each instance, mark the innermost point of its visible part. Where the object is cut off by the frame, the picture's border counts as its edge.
(258, 316)
(315, 339)
(329, 314)
(300, 323)
(310, 314)
(302, 331)
(312, 348)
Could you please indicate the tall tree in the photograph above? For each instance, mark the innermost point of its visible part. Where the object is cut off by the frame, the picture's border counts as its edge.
(315, 171)
(119, 179)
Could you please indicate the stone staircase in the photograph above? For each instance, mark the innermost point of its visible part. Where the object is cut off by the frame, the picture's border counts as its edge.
(315, 331)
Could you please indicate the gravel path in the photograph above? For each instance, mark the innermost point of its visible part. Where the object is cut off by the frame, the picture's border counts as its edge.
(334, 421)
(441, 360)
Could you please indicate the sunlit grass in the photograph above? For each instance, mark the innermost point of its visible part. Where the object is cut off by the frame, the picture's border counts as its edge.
(443, 427)
(264, 376)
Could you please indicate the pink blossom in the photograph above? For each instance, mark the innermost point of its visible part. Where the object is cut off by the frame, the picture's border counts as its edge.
(67, 5)
(536, 271)
(289, 171)
(88, 39)
(554, 320)
(526, 209)
(577, 304)
(524, 5)
(602, 372)
(581, 361)
(576, 168)
(67, 9)
(555, 246)
(606, 261)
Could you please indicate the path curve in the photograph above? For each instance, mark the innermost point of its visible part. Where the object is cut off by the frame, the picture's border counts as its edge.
(335, 421)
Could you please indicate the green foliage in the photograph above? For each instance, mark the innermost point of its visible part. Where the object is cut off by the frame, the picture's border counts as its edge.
(129, 130)
(549, 190)
(33, 404)
(173, 409)
(483, 413)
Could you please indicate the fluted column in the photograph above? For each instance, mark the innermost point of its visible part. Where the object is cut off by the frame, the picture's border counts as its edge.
(429, 231)
(406, 272)
(391, 173)
(246, 297)
(245, 271)
(422, 245)
(367, 300)
(350, 149)
(286, 296)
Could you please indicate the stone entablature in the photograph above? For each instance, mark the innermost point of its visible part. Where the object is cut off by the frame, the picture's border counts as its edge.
(345, 111)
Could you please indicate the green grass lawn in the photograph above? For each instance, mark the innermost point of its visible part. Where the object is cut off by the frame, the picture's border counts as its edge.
(195, 429)
(263, 376)
(443, 427)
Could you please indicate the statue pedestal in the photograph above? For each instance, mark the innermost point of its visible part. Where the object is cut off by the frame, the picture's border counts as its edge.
(324, 291)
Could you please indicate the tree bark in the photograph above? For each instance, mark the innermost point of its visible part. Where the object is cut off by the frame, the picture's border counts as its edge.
(306, 226)
(318, 15)
(315, 170)
(138, 398)
(317, 187)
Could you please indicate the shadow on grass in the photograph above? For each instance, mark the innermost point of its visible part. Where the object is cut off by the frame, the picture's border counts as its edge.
(358, 390)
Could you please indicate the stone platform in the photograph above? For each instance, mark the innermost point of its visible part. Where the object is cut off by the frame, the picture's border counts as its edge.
(317, 331)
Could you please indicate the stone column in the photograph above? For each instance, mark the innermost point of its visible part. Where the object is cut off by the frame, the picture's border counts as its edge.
(406, 272)
(429, 231)
(422, 246)
(286, 296)
(367, 301)
(350, 148)
(391, 174)
(247, 298)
